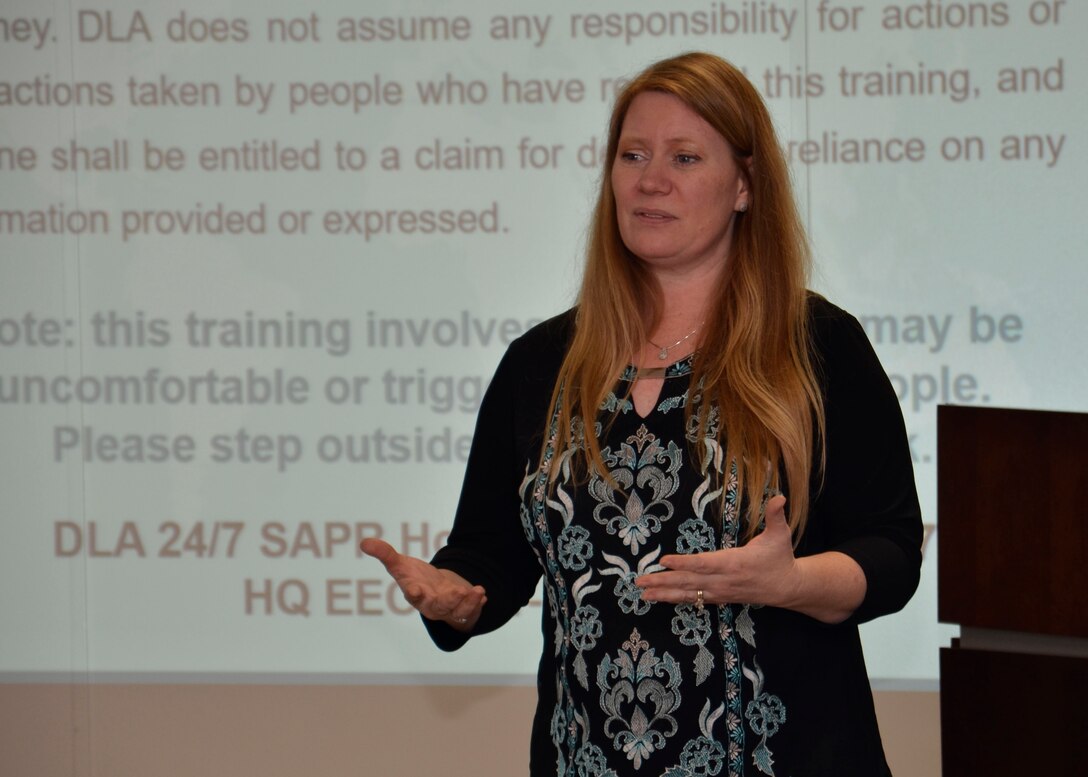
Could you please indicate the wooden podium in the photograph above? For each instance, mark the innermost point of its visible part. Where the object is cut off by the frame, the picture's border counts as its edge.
(1012, 566)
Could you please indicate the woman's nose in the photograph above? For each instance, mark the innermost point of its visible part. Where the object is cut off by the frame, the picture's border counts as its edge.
(654, 178)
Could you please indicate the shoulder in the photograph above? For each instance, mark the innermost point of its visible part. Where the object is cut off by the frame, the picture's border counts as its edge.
(513, 409)
(835, 334)
(826, 318)
(526, 374)
(553, 333)
(542, 348)
(846, 364)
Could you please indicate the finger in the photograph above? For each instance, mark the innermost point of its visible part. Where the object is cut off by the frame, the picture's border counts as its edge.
(775, 526)
(451, 603)
(666, 581)
(403, 569)
(432, 604)
(446, 605)
(775, 510)
(470, 607)
(468, 614)
(700, 563)
(415, 594)
(457, 599)
(654, 580)
(675, 595)
(379, 549)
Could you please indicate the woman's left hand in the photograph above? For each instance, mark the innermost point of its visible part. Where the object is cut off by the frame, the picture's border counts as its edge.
(764, 571)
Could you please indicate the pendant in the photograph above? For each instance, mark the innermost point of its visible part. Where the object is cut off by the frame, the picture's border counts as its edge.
(663, 354)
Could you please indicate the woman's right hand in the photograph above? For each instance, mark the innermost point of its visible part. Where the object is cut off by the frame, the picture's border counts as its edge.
(439, 594)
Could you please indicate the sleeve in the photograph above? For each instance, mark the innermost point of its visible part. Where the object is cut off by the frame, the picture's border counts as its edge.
(866, 505)
(487, 545)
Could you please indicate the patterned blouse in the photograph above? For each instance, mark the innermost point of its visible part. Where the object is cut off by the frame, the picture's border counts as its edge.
(630, 687)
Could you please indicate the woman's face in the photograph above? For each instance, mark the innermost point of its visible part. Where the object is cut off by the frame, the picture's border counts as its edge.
(677, 186)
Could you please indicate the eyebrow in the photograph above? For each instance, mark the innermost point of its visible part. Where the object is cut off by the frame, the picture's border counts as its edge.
(678, 139)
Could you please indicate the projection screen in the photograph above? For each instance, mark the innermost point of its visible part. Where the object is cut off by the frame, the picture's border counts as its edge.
(259, 261)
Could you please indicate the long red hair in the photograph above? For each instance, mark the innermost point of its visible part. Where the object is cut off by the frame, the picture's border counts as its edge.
(754, 361)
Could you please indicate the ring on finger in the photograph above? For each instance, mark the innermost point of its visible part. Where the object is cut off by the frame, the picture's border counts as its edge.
(699, 600)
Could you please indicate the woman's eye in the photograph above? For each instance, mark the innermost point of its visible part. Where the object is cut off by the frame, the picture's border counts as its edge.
(630, 156)
(686, 159)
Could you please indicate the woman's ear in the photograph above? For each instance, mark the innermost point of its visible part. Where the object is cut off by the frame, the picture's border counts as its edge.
(744, 187)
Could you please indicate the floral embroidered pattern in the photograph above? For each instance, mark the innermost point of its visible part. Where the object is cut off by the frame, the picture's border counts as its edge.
(627, 701)
(585, 625)
(765, 713)
(639, 691)
(672, 403)
(692, 626)
(575, 549)
(628, 595)
(695, 537)
(613, 404)
(703, 756)
(589, 759)
(641, 460)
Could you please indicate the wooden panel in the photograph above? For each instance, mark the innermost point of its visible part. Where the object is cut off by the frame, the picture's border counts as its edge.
(1012, 714)
(1012, 496)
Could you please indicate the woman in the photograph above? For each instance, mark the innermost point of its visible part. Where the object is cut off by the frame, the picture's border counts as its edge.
(649, 441)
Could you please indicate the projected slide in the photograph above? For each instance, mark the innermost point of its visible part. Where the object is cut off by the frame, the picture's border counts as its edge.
(258, 261)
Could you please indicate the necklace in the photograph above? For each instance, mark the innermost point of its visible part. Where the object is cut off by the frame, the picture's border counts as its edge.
(663, 350)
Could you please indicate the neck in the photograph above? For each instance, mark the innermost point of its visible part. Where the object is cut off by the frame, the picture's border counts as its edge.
(685, 298)
(678, 331)
(684, 304)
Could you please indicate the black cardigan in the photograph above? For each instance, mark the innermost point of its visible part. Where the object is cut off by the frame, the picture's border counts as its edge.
(866, 507)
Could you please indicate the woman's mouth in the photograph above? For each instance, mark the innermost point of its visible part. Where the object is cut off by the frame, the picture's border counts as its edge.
(651, 216)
